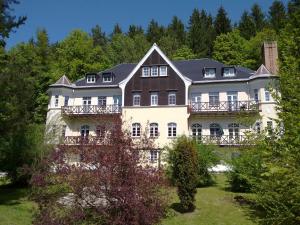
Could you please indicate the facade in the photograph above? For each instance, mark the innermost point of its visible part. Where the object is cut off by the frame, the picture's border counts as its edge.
(202, 98)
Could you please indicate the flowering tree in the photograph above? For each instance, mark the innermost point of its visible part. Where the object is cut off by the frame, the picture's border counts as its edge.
(110, 184)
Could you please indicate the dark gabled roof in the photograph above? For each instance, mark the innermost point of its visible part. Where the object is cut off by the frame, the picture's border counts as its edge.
(193, 69)
(119, 73)
(262, 70)
(63, 81)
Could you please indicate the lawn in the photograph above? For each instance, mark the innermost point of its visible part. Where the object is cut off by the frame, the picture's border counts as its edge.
(15, 208)
(214, 206)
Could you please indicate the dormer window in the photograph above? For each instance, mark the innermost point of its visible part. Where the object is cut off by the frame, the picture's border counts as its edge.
(163, 71)
(210, 73)
(90, 79)
(107, 78)
(228, 72)
(146, 71)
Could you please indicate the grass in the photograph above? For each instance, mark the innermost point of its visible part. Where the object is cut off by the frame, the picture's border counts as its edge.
(15, 208)
(214, 206)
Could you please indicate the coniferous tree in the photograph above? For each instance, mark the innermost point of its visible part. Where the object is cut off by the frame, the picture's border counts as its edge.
(154, 32)
(117, 30)
(99, 37)
(277, 15)
(222, 23)
(176, 29)
(258, 17)
(246, 26)
(134, 30)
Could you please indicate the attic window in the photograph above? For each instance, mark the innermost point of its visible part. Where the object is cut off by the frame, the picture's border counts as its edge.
(107, 78)
(228, 72)
(90, 79)
(209, 72)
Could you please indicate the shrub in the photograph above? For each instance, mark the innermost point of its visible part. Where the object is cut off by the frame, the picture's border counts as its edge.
(183, 162)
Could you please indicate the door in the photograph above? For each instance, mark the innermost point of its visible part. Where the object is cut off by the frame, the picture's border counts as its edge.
(196, 101)
(117, 103)
(234, 132)
(86, 102)
(232, 98)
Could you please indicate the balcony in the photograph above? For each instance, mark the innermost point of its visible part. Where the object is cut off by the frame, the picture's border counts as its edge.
(88, 140)
(87, 110)
(222, 140)
(223, 107)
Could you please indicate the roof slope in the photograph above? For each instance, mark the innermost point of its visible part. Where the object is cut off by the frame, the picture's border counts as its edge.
(262, 70)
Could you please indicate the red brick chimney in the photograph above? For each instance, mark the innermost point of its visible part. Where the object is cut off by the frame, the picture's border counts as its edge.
(270, 56)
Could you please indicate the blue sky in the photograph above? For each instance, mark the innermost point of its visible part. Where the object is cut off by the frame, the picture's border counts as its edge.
(59, 17)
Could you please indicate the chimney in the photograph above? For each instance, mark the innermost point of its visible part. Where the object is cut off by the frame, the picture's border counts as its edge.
(270, 56)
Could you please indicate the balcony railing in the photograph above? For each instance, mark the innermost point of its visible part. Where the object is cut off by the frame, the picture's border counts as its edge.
(224, 140)
(223, 107)
(91, 110)
(88, 140)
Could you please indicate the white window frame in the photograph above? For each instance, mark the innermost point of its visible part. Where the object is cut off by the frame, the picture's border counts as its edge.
(154, 156)
(154, 71)
(146, 71)
(136, 130)
(172, 98)
(56, 100)
(230, 73)
(91, 79)
(154, 130)
(102, 100)
(161, 71)
(208, 74)
(172, 130)
(154, 99)
(134, 97)
(106, 78)
(267, 96)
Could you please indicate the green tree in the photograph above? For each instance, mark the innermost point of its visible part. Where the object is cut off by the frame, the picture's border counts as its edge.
(154, 32)
(134, 30)
(277, 15)
(222, 23)
(99, 37)
(8, 22)
(117, 30)
(201, 33)
(247, 26)
(176, 29)
(183, 161)
(230, 48)
(183, 53)
(258, 17)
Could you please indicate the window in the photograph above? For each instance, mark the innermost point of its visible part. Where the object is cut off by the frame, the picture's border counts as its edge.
(256, 95)
(154, 99)
(172, 131)
(153, 155)
(257, 127)
(56, 100)
(102, 100)
(84, 131)
(153, 130)
(66, 100)
(215, 130)
(228, 72)
(136, 101)
(234, 131)
(267, 96)
(163, 71)
(196, 130)
(172, 98)
(209, 72)
(87, 100)
(214, 99)
(154, 71)
(106, 78)
(91, 79)
(100, 130)
(136, 130)
(146, 72)
(63, 131)
(270, 127)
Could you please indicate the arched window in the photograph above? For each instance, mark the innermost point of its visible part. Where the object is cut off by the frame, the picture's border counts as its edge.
(136, 130)
(215, 130)
(153, 130)
(172, 130)
(234, 130)
(85, 130)
(196, 130)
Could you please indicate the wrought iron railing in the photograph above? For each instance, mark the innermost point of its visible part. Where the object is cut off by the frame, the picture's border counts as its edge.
(224, 106)
(222, 139)
(88, 140)
(91, 109)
